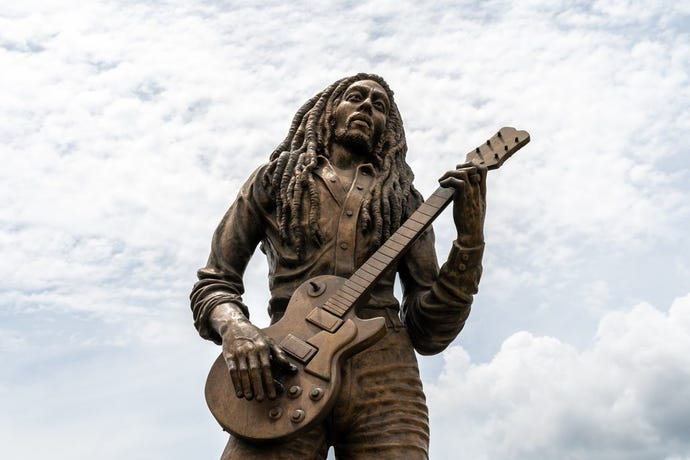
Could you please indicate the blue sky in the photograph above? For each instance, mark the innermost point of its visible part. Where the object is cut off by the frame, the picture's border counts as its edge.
(126, 128)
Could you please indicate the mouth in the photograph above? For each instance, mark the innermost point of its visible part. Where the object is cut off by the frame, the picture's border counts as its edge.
(360, 120)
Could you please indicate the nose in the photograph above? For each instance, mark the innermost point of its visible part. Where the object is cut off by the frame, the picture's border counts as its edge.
(365, 106)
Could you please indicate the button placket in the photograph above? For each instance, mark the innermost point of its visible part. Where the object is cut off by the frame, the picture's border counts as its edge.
(347, 224)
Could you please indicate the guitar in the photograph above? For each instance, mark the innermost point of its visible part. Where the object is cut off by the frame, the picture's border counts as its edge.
(320, 329)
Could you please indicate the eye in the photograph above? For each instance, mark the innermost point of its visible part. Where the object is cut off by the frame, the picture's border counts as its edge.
(380, 106)
(353, 97)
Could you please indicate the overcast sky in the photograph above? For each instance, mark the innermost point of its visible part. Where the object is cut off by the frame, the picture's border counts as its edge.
(126, 128)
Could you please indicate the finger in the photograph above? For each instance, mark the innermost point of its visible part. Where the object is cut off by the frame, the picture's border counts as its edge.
(255, 376)
(281, 358)
(244, 377)
(235, 377)
(482, 172)
(458, 173)
(453, 182)
(267, 375)
(467, 164)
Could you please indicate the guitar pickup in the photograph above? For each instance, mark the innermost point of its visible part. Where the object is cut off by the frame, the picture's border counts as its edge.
(324, 320)
(298, 348)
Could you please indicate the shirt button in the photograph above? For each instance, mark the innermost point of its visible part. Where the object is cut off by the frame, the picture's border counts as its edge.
(332, 179)
(343, 246)
(465, 257)
(348, 213)
(359, 187)
(364, 173)
(462, 267)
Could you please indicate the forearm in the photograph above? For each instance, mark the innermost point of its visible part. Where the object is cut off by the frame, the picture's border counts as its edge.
(224, 316)
(208, 295)
(435, 316)
(234, 241)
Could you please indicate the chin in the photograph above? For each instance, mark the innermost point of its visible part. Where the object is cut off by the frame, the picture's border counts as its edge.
(357, 141)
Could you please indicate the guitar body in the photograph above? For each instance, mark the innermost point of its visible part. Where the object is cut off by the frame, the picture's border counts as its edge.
(317, 351)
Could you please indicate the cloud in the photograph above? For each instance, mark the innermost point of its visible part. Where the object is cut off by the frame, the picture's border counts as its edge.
(126, 129)
(626, 395)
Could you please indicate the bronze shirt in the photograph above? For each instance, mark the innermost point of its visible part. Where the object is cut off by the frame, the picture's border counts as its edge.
(435, 303)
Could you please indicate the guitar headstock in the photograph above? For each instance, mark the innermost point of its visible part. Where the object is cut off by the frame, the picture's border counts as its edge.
(495, 151)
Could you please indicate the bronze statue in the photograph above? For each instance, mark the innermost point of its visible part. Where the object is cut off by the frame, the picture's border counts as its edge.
(332, 200)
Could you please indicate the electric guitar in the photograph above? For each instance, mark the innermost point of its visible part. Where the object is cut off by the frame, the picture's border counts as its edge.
(320, 329)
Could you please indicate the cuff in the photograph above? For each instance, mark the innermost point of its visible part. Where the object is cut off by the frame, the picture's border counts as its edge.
(459, 277)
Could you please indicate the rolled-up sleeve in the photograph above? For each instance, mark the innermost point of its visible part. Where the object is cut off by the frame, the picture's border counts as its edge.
(436, 303)
(233, 244)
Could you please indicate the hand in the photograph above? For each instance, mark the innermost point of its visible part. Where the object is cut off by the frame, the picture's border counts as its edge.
(469, 202)
(249, 354)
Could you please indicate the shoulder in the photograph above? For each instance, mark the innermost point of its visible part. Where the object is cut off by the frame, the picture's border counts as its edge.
(257, 188)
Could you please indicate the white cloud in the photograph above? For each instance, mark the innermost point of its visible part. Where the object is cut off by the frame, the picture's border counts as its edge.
(627, 395)
(127, 127)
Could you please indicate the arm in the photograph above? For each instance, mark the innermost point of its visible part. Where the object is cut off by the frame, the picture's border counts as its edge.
(216, 299)
(437, 303)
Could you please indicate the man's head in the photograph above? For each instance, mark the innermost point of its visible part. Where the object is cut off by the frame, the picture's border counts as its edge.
(358, 113)
(360, 116)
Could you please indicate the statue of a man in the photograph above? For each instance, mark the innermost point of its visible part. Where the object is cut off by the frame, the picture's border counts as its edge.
(332, 192)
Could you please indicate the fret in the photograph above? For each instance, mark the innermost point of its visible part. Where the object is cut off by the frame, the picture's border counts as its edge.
(350, 290)
(338, 302)
(406, 232)
(334, 310)
(397, 247)
(356, 290)
(380, 266)
(364, 276)
(348, 297)
(360, 285)
(438, 201)
(370, 270)
(388, 252)
(415, 227)
(343, 302)
(428, 211)
(399, 238)
(382, 258)
(419, 218)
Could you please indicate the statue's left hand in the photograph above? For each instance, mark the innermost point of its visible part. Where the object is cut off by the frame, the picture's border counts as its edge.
(469, 202)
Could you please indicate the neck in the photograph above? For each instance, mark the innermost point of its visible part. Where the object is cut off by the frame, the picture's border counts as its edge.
(346, 158)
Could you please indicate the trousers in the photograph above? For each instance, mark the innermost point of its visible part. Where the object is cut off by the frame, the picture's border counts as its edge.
(380, 412)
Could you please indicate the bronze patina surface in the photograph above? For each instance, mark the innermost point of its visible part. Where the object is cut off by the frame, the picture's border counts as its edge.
(329, 198)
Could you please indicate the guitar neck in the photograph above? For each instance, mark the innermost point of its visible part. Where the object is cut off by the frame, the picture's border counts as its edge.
(491, 155)
(366, 276)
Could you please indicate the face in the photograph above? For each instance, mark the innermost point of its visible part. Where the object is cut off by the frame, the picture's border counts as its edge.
(360, 116)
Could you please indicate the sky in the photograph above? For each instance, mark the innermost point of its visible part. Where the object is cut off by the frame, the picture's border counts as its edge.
(127, 127)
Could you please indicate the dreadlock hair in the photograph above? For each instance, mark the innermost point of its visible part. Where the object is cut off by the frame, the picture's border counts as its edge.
(289, 173)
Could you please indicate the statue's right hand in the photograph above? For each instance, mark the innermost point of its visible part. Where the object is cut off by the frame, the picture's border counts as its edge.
(249, 353)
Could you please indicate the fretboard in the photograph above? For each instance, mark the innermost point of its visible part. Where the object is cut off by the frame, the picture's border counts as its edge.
(359, 284)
